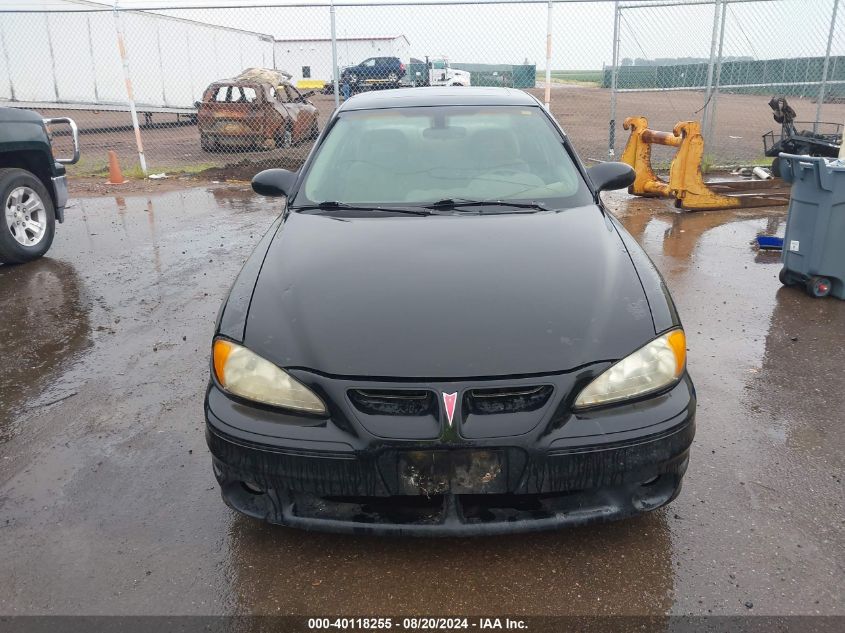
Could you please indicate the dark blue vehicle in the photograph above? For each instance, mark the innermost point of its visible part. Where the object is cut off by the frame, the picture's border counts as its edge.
(374, 71)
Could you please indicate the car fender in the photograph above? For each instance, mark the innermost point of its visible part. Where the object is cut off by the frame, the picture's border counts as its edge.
(232, 316)
(660, 303)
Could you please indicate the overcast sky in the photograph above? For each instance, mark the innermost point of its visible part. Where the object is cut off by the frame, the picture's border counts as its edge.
(513, 33)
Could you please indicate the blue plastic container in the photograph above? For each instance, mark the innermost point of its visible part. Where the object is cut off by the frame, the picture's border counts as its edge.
(770, 243)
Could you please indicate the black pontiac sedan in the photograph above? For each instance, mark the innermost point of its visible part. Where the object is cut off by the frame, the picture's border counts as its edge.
(446, 333)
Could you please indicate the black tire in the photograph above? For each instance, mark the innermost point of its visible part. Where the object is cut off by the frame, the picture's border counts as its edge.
(314, 132)
(353, 79)
(11, 250)
(776, 167)
(207, 143)
(818, 287)
(785, 278)
(284, 138)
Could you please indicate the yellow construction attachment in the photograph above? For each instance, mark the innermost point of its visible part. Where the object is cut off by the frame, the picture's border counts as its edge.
(638, 155)
(686, 182)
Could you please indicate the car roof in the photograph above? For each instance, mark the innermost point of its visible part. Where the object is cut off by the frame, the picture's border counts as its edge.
(437, 96)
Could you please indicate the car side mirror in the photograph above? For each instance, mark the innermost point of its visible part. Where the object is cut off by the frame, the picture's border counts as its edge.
(610, 176)
(274, 183)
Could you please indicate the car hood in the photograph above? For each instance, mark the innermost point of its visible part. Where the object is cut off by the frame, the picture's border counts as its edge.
(447, 296)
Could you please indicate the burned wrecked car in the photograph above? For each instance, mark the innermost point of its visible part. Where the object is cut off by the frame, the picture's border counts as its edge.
(258, 109)
(445, 332)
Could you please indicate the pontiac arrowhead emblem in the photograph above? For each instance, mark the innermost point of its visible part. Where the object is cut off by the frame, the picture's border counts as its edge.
(449, 400)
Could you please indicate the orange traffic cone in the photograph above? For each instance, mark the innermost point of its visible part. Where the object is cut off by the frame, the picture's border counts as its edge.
(115, 175)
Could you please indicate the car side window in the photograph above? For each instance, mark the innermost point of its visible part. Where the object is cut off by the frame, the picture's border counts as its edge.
(370, 62)
(282, 94)
(220, 96)
(235, 94)
(293, 94)
(248, 94)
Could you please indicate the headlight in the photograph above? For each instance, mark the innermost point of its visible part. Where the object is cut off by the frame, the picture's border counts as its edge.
(651, 368)
(245, 374)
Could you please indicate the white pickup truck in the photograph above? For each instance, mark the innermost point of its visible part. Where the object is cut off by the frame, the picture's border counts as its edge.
(441, 74)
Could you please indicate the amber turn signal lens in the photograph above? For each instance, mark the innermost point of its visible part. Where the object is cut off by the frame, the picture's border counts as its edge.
(222, 349)
(678, 342)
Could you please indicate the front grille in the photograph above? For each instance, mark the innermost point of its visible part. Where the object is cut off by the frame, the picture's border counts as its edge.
(506, 399)
(400, 402)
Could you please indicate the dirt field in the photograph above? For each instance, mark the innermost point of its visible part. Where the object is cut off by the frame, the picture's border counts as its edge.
(584, 112)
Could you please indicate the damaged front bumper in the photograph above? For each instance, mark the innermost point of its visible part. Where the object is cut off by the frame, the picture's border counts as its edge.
(332, 475)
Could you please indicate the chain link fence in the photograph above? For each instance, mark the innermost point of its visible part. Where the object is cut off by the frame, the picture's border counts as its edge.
(737, 54)
(164, 85)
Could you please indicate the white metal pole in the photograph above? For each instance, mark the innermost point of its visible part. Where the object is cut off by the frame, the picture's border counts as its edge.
(709, 89)
(548, 96)
(130, 94)
(825, 67)
(6, 59)
(614, 70)
(714, 95)
(335, 74)
(842, 151)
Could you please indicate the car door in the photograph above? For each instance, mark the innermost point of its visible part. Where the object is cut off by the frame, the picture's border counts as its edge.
(369, 69)
(303, 115)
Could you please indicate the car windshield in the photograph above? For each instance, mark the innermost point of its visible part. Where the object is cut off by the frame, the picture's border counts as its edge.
(419, 156)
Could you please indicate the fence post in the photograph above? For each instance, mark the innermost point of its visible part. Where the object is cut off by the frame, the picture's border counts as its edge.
(614, 70)
(548, 96)
(6, 59)
(717, 79)
(709, 89)
(130, 94)
(52, 56)
(93, 57)
(335, 75)
(825, 67)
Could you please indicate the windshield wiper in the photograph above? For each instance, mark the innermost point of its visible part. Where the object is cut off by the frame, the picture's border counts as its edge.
(454, 203)
(330, 205)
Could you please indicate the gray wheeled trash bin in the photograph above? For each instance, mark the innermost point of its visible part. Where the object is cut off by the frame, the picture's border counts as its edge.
(814, 243)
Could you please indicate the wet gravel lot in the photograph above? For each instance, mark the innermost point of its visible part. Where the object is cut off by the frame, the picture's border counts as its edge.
(108, 504)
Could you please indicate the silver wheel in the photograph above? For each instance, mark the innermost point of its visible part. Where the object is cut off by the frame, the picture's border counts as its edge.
(285, 140)
(26, 216)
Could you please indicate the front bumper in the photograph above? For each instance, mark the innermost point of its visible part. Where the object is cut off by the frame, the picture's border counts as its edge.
(333, 475)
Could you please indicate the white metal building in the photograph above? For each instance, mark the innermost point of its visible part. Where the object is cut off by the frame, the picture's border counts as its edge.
(312, 58)
(72, 58)
(68, 57)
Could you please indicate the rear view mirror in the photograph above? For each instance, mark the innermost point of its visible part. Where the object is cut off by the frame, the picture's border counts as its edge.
(274, 183)
(444, 133)
(610, 176)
